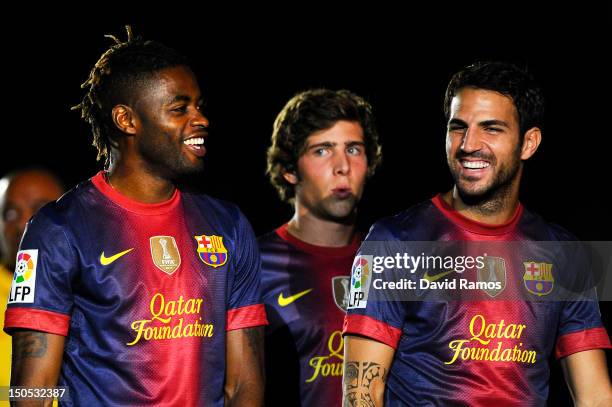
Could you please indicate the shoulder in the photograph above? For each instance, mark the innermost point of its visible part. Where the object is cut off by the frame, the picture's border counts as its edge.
(405, 225)
(269, 240)
(56, 213)
(543, 230)
(215, 206)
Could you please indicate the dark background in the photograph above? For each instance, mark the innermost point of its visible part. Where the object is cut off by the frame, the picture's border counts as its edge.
(250, 61)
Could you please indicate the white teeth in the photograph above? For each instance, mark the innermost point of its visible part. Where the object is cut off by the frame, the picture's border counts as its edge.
(194, 141)
(475, 164)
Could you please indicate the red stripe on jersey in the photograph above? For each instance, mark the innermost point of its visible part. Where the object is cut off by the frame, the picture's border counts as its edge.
(474, 226)
(371, 328)
(594, 338)
(37, 319)
(246, 317)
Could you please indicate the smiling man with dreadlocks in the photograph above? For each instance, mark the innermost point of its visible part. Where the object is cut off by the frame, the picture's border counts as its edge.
(129, 290)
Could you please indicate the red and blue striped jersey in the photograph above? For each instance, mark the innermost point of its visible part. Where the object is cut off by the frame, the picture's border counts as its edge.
(144, 293)
(306, 293)
(474, 353)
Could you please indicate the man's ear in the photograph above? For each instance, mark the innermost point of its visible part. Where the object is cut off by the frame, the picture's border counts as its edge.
(290, 177)
(125, 119)
(531, 142)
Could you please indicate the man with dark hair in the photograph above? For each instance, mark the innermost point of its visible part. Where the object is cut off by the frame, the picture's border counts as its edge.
(433, 352)
(324, 146)
(130, 290)
(22, 193)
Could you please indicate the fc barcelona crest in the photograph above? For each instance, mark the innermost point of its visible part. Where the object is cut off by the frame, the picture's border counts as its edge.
(538, 278)
(211, 250)
(340, 291)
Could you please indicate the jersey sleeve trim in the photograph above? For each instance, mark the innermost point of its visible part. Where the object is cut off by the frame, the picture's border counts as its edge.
(246, 317)
(37, 320)
(372, 328)
(594, 338)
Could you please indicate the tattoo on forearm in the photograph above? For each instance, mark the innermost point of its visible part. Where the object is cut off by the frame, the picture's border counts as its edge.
(358, 379)
(29, 345)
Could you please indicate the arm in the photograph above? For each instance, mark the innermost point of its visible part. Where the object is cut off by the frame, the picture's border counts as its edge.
(244, 379)
(366, 365)
(587, 377)
(36, 361)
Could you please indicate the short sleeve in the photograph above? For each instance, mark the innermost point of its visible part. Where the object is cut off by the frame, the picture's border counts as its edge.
(580, 329)
(374, 318)
(580, 325)
(41, 296)
(245, 307)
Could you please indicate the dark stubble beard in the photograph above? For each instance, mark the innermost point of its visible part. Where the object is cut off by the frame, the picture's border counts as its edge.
(495, 197)
(167, 161)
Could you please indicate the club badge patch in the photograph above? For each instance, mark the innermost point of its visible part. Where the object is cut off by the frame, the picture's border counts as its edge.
(494, 271)
(24, 278)
(340, 291)
(165, 253)
(538, 278)
(211, 250)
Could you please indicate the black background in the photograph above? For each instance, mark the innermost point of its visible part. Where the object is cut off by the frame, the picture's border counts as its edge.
(250, 61)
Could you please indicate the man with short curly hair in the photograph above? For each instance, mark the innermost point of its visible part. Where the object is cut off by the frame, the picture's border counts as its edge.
(324, 146)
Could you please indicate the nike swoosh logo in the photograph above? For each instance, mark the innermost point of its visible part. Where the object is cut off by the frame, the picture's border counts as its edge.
(105, 261)
(283, 302)
(438, 276)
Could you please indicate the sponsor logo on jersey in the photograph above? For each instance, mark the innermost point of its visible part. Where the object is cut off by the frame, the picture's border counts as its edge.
(361, 275)
(211, 250)
(24, 278)
(284, 301)
(105, 261)
(165, 253)
(498, 341)
(538, 278)
(494, 271)
(171, 319)
(329, 365)
(341, 291)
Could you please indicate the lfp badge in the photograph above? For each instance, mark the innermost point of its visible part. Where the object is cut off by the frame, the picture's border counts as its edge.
(538, 278)
(211, 250)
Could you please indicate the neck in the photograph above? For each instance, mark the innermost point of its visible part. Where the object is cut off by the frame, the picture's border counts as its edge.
(135, 182)
(321, 232)
(496, 210)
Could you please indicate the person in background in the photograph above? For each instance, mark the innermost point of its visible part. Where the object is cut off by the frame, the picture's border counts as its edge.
(324, 147)
(22, 193)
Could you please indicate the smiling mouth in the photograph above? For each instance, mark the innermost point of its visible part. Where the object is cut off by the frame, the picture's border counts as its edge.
(474, 165)
(196, 145)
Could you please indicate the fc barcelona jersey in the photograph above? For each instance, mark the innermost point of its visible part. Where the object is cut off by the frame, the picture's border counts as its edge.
(144, 293)
(306, 293)
(475, 353)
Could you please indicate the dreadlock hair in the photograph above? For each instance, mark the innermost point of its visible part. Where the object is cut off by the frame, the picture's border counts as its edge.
(115, 79)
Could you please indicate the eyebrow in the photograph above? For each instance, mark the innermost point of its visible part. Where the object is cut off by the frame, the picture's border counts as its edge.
(179, 98)
(330, 144)
(457, 122)
(487, 123)
(484, 123)
(183, 98)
